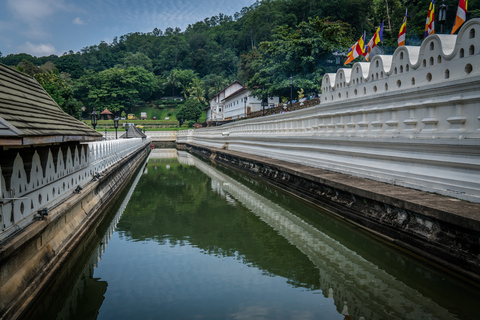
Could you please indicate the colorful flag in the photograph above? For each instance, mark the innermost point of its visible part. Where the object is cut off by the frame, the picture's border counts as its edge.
(461, 15)
(377, 37)
(403, 30)
(430, 22)
(356, 50)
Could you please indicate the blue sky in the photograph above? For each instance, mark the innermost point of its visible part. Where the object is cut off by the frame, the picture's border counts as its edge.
(44, 27)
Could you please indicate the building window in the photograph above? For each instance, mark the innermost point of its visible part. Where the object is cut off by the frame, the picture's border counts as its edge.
(432, 46)
(471, 51)
(374, 88)
(399, 83)
(413, 81)
(462, 53)
(429, 77)
(472, 33)
(401, 55)
(424, 63)
(431, 61)
(407, 67)
(447, 74)
(439, 59)
(386, 86)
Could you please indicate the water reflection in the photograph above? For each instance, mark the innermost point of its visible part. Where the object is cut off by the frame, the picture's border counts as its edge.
(87, 295)
(193, 241)
(357, 286)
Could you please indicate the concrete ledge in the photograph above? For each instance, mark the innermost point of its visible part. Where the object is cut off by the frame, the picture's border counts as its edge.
(442, 229)
(30, 260)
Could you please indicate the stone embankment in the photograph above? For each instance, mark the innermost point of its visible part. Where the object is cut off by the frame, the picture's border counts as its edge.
(443, 230)
(30, 259)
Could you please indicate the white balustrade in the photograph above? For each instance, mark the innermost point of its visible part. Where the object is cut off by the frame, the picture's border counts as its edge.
(54, 174)
(411, 119)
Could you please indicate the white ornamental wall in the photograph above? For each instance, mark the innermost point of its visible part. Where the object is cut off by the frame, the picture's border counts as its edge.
(49, 181)
(411, 119)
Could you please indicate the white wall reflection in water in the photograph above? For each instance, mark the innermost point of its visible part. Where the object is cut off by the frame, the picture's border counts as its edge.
(358, 287)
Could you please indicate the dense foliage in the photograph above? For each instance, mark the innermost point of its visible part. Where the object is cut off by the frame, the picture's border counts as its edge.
(262, 46)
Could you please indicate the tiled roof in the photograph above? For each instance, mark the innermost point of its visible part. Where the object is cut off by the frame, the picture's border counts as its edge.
(28, 115)
(133, 132)
(106, 111)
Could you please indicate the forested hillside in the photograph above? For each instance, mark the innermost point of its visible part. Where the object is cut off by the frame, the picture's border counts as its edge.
(261, 46)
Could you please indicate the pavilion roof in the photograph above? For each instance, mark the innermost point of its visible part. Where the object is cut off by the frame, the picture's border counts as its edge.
(106, 111)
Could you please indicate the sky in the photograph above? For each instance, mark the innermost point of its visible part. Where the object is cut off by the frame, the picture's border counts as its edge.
(45, 27)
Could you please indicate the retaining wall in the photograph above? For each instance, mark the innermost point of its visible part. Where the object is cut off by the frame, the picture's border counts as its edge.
(30, 258)
(443, 230)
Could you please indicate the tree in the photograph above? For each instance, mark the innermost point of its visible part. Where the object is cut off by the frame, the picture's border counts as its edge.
(173, 81)
(137, 60)
(70, 64)
(117, 89)
(300, 52)
(191, 110)
(197, 90)
(28, 67)
(61, 92)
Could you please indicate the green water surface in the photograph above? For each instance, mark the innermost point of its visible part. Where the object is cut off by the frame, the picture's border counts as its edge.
(192, 241)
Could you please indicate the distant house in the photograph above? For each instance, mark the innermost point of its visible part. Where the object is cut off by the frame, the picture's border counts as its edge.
(235, 102)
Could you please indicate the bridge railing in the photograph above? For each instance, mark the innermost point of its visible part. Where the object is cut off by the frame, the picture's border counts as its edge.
(31, 183)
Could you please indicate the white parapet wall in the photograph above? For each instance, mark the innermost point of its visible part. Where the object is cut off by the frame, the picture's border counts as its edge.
(162, 135)
(411, 119)
(51, 175)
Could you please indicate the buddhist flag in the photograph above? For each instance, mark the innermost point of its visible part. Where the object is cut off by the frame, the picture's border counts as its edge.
(430, 22)
(376, 39)
(356, 50)
(403, 30)
(461, 15)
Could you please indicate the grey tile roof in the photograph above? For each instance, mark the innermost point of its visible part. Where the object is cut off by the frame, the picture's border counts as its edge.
(133, 132)
(28, 115)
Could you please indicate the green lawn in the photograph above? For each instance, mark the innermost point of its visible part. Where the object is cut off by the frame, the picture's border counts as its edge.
(161, 113)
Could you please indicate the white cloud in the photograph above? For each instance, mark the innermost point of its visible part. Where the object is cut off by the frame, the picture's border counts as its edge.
(39, 50)
(34, 10)
(78, 21)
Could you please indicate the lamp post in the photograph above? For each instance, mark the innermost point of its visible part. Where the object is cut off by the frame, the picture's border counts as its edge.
(291, 92)
(115, 124)
(93, 116)
(442, 15)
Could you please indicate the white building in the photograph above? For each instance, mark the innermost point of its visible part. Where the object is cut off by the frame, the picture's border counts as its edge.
(235, 102)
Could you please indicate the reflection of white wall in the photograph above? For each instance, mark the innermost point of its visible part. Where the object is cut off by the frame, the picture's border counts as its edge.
(71, 304)
(357, 286)
(167, 153)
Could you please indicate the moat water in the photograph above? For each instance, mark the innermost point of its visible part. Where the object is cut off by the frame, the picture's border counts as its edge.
(189, 240)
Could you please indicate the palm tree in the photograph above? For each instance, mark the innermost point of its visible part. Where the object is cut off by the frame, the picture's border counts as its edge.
(197, 90)
(173, 81)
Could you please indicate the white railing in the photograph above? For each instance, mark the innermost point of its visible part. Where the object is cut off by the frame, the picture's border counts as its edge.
(414, 125)
(55, 173)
